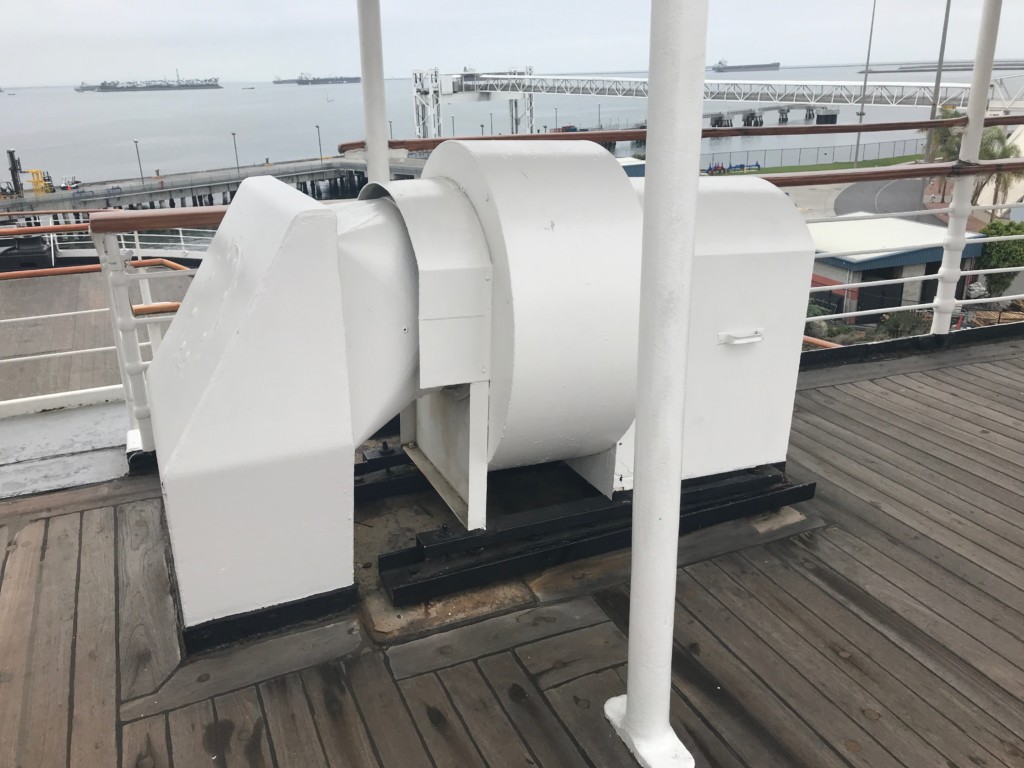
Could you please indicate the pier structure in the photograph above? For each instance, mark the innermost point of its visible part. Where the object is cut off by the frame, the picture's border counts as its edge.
(327, 178)
(518, 87)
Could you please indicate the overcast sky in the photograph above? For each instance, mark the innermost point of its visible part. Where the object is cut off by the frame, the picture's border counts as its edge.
(66, 41)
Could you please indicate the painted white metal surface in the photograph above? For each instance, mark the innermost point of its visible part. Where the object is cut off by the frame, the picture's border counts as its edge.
(77, 398)
(641, 717)
(375, 114)
(963, 186)
(253, 457)
(562, 224)
(379, 297)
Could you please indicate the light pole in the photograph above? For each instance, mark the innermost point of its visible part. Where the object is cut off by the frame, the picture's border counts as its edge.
(139, 158)
(929, 151)
(319, 146)
(481, 129)
(391, 131)
(556, 117)
(864, 87)
(599, 117)
(234, 142)
(492, 123)
(453, 125)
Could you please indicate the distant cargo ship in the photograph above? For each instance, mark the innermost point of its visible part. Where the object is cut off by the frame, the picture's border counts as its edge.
(116, 86)
(724, 66)
(307, 79)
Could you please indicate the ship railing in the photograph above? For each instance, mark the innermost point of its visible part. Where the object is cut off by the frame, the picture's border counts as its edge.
(139, 264)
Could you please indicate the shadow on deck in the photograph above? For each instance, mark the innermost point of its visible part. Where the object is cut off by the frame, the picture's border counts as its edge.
(879, 625)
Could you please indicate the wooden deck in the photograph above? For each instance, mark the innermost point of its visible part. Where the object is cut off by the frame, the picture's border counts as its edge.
(889, 632)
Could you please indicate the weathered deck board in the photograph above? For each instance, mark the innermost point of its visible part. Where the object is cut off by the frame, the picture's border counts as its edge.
(530, 712)
(230, 668)
(341, 727)
(242, 730)
(926, 702)
(438, 722)
(17, 612)
(148, 625)
(144, 744)
(561, 658)
(446, 649)
(196, 740)
(494, 735)
(580, 705)
(387, 720)
(44, 725)
(292, 730)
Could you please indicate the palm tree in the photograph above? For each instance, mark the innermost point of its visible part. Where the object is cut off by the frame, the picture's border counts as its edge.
(996, 145)
(945, 142)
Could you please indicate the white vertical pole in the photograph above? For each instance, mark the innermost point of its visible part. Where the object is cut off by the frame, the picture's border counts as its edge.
(675, 105)
(963, 186)
(375, 112)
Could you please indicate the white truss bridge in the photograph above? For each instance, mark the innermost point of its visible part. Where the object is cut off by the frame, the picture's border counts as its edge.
(429, 86)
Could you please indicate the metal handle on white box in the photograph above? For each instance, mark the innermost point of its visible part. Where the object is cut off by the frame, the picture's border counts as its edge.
(742, 338)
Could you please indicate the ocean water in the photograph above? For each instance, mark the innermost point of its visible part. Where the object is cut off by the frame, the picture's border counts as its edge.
(91, 135)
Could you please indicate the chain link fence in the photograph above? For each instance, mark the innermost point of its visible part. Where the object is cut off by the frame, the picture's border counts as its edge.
(799, 156)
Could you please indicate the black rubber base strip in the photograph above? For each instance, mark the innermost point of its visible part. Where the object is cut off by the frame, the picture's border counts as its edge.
(247, 626)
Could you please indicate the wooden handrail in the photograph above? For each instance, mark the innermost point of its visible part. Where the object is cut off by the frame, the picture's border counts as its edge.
(640, 134)
(87, 268)
(20, 231)
(142, 221)
(821, 343)
(157, 308)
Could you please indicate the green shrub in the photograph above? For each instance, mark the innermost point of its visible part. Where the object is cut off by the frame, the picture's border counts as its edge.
(1000, 255)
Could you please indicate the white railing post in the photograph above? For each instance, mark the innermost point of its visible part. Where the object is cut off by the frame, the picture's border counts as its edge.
(963, 186)
(126, 340)
(675, 106)
(155, 332)
(375, 113)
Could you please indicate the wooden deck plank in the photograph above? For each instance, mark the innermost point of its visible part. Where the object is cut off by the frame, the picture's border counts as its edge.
(242, 730)
(491, 636)
(948, 622)
(148, 624)
(580, 705)
(970, 384)
(342, 730)
(994, 599)
(488, 725)
(530, 712)
(17, 612)
(248, 663)
(387, 719)
(195, 738)
(752, 600)
(1009, 370)
(94, 706)
(837, 731)
(946, 404)
(950, 476)
(79, 499)
(561, 658)
(144, 744)
(926, 437)
(956, 395)
(707, 708)
(438, 722)
(928, 650)
(938, 709)
(996, 377)
(292, 731)
(4, 539)
(905, 524)
(997, 553)
(956, 427)
(44, 726)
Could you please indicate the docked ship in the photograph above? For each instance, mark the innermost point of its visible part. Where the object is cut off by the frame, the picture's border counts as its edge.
(307, 79)
(724, 66)
(86, 87)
